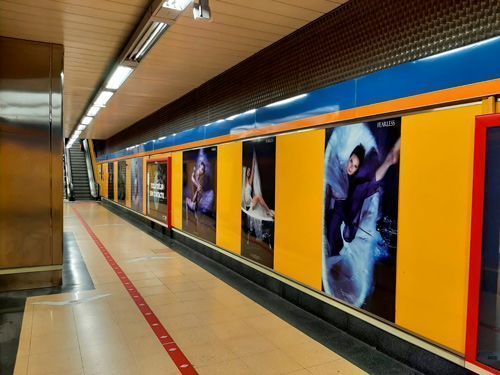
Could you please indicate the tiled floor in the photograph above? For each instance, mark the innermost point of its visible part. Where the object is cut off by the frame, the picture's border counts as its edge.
(218, 329)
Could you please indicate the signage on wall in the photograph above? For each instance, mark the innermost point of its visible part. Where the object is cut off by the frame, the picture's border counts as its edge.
(111, 181)
(136, 184)
(122, 174)
(158, 190)
(257, 200)
(360, 220)
(199, 186)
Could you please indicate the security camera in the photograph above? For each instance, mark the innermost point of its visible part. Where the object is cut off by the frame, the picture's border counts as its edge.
(201, 10)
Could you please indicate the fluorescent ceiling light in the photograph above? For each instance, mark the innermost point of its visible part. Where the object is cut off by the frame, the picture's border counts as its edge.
(103, 98)
(87, 120)
(119, 76)
(81, 127)
(159, 27)
(93, 111)
(176, 4)
(161, 138)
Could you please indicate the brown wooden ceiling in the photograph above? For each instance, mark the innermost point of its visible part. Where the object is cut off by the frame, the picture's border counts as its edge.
(93, 33)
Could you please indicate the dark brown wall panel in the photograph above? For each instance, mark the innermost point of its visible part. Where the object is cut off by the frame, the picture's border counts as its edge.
(358, 38)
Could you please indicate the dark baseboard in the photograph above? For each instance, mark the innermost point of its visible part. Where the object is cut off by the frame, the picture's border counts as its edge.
(368, 346)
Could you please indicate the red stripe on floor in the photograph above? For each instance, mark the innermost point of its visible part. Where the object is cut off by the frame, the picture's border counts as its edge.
(180, 360)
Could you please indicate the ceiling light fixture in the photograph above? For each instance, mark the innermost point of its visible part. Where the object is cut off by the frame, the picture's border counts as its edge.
(155, 32)
(119, 76)
(86, 120)
(103, 98)
(81, 127)
(93, 111)
(177, 4)
(160, 15)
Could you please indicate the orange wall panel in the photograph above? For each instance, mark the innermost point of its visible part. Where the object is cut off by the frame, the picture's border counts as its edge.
(229, 176)
(434, 224)
(299, 206)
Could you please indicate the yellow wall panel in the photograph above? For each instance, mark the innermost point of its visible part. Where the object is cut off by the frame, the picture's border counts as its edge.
(176, 198)
(299, 206)
(229, 170)
(104, 181)
(128, 183)
(434, 224)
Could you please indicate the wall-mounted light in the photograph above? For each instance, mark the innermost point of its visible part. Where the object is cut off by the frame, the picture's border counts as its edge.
(286, 101)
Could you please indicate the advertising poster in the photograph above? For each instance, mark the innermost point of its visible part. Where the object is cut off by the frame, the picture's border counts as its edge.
(111, 181)
(257, 200)
(199, 179)
(360, 224)
(488, 336)
(122, 174)
(157, 183)
(136, 182)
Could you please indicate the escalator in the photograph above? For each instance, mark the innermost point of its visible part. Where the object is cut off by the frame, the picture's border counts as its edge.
(79, 173)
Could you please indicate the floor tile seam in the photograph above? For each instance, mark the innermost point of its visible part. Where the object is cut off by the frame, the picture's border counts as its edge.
(173, 350)
(30, 335)
(196, 258)
(78, 341)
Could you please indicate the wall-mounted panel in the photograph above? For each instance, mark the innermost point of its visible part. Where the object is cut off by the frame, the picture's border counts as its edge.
(229, 177)
(434, 224)
(199, 192)
(30, 155)
(299, 206)
(177, 190)
(258, 200)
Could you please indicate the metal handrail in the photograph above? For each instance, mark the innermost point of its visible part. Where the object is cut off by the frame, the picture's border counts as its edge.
(69, 179)
(94, 187)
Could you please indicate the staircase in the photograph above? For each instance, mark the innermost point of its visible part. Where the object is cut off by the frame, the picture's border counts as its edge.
(79, 175)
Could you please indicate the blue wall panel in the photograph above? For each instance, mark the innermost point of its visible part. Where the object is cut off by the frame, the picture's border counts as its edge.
(466, 65)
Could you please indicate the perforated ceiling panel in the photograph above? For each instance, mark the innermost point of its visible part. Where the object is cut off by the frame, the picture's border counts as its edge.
(358, 38)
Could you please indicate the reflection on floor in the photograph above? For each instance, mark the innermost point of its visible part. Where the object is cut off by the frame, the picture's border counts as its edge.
(219, 329)
(75, 278)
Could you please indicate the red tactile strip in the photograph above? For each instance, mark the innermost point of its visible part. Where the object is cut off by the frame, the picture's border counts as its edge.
(180, 360)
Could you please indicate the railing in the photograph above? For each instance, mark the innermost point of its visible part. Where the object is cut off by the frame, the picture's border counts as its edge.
(69, 181)
(94, 187)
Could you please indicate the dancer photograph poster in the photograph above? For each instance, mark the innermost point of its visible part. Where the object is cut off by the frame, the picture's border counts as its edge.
(199, 181)
(157, 190)
(122, 174)
(360, 225)
(136, 182)
(111, 181)
(257, 200)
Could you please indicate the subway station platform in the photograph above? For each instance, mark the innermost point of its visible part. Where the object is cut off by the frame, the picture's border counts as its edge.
(216, 325)
(249, 187)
